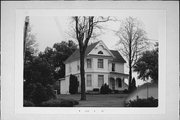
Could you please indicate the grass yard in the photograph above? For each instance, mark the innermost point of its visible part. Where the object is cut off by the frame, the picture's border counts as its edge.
(107, 100)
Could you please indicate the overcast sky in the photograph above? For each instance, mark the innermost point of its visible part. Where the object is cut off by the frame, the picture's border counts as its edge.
(53, 29)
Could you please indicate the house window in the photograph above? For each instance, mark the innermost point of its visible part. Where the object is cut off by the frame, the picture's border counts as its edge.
(69, 68)
(100, 80)
(100, 63)
(89, 63)
(119, 82)
(113, 66)
(89, 81)
(77, 67)
(100, 52)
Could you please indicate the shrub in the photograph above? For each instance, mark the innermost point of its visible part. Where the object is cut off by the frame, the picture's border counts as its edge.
(67, 103)
(50, 92)
(29, 88)
(116, 91)
(28, 103)
(125, 91)
(51, 103)
(59, 103)
(39, 95)
(105, 89)
(96, 89)
(73, 85)
(75, 102)
(149, 102)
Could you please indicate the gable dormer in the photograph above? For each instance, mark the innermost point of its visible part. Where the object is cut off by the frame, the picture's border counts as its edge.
(101, 49)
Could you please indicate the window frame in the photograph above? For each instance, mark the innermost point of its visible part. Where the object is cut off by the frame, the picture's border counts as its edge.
(102, 80)
(100, 53)
(113, 68)
(88, 85)
(89, 64)
(100, 64)
(120, 83)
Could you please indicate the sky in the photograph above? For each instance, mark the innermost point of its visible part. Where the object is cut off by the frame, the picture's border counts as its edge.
(53, 29)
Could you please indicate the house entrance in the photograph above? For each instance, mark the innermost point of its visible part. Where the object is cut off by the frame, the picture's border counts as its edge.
(112, 83)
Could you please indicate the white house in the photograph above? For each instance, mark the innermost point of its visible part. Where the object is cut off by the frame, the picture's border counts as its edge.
(101, 66)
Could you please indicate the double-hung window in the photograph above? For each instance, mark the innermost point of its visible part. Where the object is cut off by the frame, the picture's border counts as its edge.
(89, 81)
(100, 80)
(89, 65)
(100, 63)
(113, 66)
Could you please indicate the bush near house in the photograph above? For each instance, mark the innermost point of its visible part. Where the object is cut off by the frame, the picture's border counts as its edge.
(73, 85)
(36, 93)
(149, 102)
(105, 89)
(59, 103)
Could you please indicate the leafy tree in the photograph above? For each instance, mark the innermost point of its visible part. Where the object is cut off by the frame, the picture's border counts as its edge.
(61, 52)
(132, 41)
(73, 85)
(39, 71)
(133, 85)
(147, 66)
(30, 45)
(84, 27)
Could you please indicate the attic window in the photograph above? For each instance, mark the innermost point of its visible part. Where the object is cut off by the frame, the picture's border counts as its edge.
(100, 52)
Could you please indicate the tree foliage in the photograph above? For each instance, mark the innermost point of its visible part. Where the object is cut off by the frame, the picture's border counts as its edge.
(132, 41)
(133, 85)
(42, 70)
(147, 66)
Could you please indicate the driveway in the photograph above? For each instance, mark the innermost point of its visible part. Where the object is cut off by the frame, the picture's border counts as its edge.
(109, 100)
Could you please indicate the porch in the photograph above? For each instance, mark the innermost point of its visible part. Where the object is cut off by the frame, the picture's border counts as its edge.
(116, 81)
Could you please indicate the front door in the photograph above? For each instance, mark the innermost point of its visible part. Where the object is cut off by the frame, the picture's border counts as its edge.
(113, 84)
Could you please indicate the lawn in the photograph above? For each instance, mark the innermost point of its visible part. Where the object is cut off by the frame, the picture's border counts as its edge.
(100, 100)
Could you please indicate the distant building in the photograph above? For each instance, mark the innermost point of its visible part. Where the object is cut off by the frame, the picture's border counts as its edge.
(101, 66)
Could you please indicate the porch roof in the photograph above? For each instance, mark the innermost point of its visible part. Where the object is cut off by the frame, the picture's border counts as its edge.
(116, 74)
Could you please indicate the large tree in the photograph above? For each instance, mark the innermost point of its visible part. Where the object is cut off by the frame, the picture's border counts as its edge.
(132, 39)
(84, 27)
(147, 66)
(30, 45)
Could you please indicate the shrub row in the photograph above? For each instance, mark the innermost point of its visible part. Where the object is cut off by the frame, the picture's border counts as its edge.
(53, 103)
(149, 102)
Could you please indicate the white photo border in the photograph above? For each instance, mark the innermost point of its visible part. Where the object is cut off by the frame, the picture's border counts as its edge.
(12, 17)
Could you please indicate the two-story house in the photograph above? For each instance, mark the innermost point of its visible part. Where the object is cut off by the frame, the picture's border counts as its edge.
(101, 66)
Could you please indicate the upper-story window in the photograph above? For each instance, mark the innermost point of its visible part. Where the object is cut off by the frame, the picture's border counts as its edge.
(100, 52)
(89, 64)
(69, 68)
(100, 63)
(113, 66)
(78, 65)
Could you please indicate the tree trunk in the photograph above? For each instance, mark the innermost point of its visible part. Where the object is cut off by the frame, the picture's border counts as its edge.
(82, 72)
(130, 67)
(130, 76)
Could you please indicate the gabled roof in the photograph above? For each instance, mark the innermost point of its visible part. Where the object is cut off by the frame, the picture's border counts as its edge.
(118, 57)
(76, 54)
